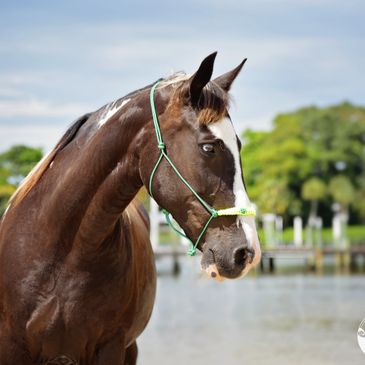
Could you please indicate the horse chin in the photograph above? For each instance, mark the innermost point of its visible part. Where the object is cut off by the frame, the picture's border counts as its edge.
(209, 266)
(213, 272)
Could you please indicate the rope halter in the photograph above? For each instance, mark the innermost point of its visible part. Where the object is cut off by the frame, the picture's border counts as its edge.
(213, 212)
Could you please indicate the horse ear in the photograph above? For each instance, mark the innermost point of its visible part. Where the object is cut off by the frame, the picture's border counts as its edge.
(225, 81)
(201, 78)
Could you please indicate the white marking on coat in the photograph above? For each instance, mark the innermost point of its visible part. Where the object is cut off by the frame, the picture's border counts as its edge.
(213, 272)
(110, 111)
(224, 130)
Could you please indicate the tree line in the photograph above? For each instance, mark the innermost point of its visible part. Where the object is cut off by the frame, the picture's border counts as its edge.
(311, 163)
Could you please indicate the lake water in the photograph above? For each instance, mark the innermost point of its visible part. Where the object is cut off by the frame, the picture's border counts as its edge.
(281, 319)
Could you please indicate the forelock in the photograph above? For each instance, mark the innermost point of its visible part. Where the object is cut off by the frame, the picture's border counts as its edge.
(213, 104)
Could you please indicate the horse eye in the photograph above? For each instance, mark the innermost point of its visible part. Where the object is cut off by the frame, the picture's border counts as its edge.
(208, 148)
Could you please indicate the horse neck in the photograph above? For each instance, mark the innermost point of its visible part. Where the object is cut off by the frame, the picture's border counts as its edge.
(92, 180)
(109, 202)
(119, 183)
(124, 138)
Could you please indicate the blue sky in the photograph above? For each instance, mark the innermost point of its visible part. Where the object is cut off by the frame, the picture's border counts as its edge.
(61, 59)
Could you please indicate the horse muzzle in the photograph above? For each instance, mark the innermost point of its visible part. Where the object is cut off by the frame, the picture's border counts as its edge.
(220, 264)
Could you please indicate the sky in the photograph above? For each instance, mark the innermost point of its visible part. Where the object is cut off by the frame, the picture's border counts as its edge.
(61, 59)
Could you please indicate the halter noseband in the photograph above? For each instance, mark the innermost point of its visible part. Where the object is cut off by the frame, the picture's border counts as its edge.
(214, 213)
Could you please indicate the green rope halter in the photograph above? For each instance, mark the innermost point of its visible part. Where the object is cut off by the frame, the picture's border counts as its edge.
(213, 212)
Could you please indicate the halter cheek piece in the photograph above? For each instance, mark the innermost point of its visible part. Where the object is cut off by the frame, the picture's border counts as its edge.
(213, 212)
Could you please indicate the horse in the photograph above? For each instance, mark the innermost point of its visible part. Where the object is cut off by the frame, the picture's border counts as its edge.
(77, 272)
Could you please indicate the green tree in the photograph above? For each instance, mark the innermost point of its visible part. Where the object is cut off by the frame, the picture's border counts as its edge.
(359, 201)
(15, 164)
(275, 197)
(313, 190)
(311, 141)
(342, 191)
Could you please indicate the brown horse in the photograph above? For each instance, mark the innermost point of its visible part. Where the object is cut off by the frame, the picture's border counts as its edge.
(77, 282)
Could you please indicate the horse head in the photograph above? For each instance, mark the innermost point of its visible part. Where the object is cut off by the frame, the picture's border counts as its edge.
(204, 150)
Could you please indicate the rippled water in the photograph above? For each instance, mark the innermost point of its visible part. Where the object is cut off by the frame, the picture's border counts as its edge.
(283, 319)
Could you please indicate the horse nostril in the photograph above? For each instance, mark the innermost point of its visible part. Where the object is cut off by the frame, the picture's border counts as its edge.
(240, 255)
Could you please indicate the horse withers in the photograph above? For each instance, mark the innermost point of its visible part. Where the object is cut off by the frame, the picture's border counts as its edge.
(77, 274)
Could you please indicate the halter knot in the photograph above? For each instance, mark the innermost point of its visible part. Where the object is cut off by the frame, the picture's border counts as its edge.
(161, 145)
(214, 213)
(191, 251)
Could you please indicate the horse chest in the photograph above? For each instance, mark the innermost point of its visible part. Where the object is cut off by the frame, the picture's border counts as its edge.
(86, 309)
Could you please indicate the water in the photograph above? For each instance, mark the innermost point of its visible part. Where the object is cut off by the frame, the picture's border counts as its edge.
(283, 319)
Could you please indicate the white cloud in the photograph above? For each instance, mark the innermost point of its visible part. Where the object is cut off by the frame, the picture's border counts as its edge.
(103, 60)
(39, 108)
(20, 78)
(45, 136)
(13, 85)
(9, 92)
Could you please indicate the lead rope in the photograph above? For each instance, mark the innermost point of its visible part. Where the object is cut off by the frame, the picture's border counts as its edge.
(163, 154)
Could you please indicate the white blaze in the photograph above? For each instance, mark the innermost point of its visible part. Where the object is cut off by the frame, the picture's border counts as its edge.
(224, 130)
(110, 111)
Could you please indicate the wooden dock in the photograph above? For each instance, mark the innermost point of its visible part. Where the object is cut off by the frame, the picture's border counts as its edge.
(344, 260)
(315, 258)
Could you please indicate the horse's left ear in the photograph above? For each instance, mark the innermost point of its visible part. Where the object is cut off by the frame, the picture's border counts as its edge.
(225, 81)
(201, 78)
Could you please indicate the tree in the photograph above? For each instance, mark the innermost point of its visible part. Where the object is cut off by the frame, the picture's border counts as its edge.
(359, 201)
(15, 164)
(313, 190)
(311, 141)
(275, 197)
(342, 191)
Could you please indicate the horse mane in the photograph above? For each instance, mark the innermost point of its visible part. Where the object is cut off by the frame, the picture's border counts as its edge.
(37, 172)
(213, 104)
